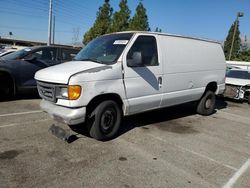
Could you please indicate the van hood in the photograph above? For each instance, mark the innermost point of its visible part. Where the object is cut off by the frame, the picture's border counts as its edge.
(62, 73)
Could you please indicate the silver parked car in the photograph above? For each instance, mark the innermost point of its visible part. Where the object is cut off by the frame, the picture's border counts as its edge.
(238, 84)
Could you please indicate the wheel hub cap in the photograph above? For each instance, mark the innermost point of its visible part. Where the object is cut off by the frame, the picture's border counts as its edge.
(208, 103)
(107, 120)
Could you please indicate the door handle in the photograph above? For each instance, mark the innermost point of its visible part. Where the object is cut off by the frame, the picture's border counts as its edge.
(160, 81)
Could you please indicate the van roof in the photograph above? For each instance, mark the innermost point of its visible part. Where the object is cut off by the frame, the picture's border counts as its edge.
(169, 34)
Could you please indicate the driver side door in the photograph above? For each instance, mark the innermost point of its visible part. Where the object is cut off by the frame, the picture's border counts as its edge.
(143, 82)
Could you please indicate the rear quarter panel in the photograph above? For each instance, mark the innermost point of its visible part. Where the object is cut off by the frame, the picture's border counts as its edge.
(189, 65)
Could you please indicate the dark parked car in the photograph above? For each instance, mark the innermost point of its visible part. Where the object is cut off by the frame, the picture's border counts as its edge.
(17, 69)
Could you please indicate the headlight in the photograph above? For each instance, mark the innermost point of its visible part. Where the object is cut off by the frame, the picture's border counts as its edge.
(72, 92)
(64, 92)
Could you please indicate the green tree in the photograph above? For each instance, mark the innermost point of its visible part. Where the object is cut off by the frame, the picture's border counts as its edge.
(236, 44)
(244, 54)
(244, 46)
(120, 21)
(102, 23)
(140, 20)
(158, 30)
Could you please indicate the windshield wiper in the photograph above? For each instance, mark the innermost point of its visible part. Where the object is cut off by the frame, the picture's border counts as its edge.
(90, 59)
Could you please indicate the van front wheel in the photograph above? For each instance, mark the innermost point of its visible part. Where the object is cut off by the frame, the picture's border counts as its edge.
(206, 104)
(106, 120)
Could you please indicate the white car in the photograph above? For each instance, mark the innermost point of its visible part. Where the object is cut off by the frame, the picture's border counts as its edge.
(238, 84)
(126, 73)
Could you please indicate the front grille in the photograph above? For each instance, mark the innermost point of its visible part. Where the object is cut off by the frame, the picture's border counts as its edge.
(232, 91)
(47, 91)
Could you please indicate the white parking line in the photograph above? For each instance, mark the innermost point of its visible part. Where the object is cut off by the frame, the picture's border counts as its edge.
(9, 125)
(237, 174)
(15, 124)
(232, 116)
(21, 113)
(197, 154)
(208, 158)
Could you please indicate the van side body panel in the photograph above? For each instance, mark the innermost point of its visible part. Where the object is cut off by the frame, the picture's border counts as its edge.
(189, 65)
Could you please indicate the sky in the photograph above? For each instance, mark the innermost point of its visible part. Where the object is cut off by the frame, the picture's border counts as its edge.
(28, 20)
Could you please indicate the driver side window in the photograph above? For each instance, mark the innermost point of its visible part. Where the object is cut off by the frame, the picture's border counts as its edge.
(147, 46)
(45, 54)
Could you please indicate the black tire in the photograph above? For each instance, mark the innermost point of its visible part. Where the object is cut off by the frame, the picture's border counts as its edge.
(206, 105)
(249, 99)
(6, 89)
(105, 120)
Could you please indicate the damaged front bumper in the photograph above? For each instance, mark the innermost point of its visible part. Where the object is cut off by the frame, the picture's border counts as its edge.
(70, 116)
(237, 92)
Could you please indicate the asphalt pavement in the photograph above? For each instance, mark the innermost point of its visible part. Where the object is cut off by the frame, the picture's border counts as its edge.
(172, 147)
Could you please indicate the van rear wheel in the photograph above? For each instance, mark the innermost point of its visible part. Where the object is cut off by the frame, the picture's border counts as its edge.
(105, 121)
(206, 105)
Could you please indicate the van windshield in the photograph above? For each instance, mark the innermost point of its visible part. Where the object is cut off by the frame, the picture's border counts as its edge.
(105, 49)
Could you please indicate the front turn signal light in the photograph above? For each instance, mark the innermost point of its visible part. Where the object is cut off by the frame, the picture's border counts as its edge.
(74, 92)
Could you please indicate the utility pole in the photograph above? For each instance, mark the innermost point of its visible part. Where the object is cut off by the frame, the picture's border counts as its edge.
(54, 25)
(50, 23)
(239, 14)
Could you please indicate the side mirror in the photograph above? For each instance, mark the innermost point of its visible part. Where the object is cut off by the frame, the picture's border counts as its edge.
(136, 60)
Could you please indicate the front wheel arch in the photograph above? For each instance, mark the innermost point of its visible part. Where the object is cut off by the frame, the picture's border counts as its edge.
(103, 97)
(6, 77)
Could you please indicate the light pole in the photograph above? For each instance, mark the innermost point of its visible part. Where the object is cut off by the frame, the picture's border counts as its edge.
(239, 14)
(50, 23)
(54, 25)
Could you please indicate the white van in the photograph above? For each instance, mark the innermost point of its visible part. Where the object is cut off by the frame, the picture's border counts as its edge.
(126, 73)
